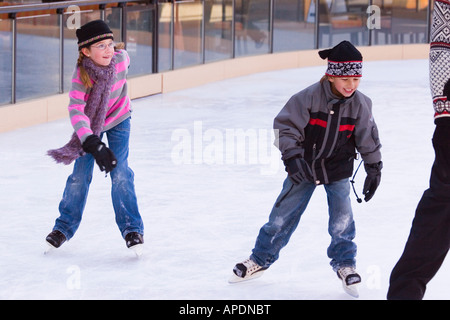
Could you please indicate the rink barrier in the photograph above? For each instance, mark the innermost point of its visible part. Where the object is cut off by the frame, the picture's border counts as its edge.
(51, 108)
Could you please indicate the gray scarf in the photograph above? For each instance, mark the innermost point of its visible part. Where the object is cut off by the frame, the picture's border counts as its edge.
(96, 109)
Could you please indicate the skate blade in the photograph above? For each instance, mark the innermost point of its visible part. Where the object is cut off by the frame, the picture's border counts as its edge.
(49, 248)
(235, 279)
(138, 249)
(351, 290)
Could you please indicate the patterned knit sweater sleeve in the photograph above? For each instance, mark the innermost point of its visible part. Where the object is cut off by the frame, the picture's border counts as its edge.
(440, 59)
(119, 106)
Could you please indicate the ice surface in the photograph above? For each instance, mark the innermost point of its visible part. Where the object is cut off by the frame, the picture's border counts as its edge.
(203, 198)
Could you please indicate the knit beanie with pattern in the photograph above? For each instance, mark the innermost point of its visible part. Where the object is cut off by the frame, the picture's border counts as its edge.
(344, 60)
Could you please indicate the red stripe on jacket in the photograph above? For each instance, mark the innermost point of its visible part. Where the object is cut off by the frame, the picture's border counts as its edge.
(322, 123)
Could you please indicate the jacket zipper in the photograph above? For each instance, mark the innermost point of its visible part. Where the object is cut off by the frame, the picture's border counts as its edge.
(314, 162)
(329, 142)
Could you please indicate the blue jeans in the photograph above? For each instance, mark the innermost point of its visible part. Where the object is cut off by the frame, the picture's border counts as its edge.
(285, 216)
(123, 194)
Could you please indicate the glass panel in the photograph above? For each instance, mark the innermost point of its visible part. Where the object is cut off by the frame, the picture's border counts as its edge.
(37, 56)
(112, 18)
(252, 27)
(5, 61)
(343, 20)
(140, 39)
(187, 33)
(164, 32)
(402, 21)
(293, 28)
(218, 19)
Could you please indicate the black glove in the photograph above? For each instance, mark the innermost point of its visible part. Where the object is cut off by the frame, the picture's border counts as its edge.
(298, 170)
(372, 180)
(103, 155)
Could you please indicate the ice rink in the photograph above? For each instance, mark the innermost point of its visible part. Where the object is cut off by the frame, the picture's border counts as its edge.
(206, 176)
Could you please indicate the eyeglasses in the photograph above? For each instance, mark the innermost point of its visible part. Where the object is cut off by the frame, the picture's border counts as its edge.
(103, 46)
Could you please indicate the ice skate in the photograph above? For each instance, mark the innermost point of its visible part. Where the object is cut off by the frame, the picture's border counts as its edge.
(54, 240)
(135, 242)
(246, 270)
(350, 280)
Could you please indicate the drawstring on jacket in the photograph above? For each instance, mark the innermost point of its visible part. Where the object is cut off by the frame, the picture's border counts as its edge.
(358, 199)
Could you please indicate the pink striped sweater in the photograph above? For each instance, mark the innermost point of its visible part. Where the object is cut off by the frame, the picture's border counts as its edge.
(119, 102)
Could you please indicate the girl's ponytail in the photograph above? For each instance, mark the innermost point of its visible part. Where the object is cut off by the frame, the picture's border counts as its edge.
(84, 76)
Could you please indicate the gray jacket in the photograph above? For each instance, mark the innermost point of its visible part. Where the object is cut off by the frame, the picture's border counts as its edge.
(326, 131)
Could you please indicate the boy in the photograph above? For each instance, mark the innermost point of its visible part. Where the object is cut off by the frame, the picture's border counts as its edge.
(319, 129)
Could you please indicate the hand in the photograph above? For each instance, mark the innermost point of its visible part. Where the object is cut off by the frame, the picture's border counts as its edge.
(372, 180)
(298, 170)
(102, 154)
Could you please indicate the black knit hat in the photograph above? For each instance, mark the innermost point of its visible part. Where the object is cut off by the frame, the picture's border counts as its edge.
(93, 32)
(344, 60)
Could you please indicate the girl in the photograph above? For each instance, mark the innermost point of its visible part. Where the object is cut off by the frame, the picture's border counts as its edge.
(319, 129)
(99, 104)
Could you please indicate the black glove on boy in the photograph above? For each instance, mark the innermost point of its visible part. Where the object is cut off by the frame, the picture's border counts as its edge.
(373, 179)
(298, 170)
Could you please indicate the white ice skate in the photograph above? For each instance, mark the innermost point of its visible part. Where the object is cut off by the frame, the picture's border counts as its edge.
(246, 270)
(350, 280)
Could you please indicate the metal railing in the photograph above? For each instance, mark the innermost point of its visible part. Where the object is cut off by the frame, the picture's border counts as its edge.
(13, 12)
(167, 35)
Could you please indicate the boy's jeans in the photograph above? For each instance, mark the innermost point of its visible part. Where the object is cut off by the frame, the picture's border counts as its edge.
(123, 194)
(285, 216)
